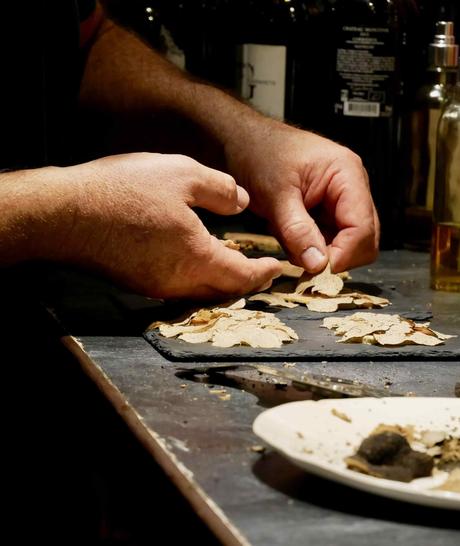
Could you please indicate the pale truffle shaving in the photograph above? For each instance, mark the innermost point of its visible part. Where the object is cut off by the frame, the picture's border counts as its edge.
(272, 299)
(325, 283)
(229, 326)
(328, 305)
(322, 293)
(381, 329)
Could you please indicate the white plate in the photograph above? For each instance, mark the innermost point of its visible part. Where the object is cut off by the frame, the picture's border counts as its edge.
(312, 437)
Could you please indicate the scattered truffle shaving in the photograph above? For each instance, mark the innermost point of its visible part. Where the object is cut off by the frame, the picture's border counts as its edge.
(291, 270)
(272, 299)
(322, 293)
(407, 431)
(229, 326)
(383, 329)
(254, 241)
(231, 244)
(452, 483)
(340, 415)
(295, 272)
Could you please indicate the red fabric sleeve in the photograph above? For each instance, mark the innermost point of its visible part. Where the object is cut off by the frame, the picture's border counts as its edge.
(90, 25)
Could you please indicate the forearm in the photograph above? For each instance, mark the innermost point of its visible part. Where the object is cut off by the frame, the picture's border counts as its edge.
(33, 222)
(125, 76)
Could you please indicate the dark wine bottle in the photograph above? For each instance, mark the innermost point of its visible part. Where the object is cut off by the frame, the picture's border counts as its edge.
(218, 41)
(266, 38)
(368, 94)
(203, 31)
(343, 68)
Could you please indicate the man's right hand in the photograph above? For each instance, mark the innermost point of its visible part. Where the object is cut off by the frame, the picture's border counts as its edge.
(130, 217)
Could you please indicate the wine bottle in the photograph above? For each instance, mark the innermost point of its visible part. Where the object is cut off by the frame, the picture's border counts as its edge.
(371, 45)
(204, 32)
(266, 54)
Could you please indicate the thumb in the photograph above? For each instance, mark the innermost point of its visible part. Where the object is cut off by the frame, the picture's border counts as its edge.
(299, 233)
(218, 192)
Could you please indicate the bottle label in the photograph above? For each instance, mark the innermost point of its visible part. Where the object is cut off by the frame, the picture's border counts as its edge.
(263, 77)
(365, 72)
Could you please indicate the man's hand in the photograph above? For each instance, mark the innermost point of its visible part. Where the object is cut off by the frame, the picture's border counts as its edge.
(292, 176)
(130, 217)
(314, 192)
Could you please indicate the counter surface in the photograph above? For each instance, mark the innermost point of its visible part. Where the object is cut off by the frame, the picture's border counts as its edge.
(205, 444)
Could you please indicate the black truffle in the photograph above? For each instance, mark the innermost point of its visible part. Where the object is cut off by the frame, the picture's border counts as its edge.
(389, 455)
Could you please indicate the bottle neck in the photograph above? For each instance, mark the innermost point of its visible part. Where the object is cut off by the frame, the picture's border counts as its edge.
(447, 77)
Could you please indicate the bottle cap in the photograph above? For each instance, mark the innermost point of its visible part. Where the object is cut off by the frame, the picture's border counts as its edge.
(443, 51)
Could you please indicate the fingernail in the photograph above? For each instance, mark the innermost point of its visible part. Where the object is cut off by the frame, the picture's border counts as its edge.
(312, 259)
(242, 197)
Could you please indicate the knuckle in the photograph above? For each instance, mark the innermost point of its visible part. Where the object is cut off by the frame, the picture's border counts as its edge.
(297, 231)
(352, 157)
(139, 157)
(184, 162)
(229, 186)
(143, 155)
(349, 157)
(181, 158)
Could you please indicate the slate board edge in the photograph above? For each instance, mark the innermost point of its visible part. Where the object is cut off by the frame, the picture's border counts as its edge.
(173, 350)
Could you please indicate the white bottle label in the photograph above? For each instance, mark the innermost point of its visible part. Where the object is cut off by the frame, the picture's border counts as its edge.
(263, 77)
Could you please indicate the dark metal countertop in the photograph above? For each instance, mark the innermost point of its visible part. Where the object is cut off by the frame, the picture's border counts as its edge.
(204, 443)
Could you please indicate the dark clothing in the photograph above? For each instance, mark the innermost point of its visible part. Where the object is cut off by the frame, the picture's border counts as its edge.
(40, 64)
(73, 473)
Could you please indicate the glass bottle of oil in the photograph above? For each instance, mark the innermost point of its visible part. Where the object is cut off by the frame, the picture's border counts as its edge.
(430, 98)
(445, 259)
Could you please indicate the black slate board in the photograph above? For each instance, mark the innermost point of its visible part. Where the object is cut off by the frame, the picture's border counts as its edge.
(315, 343)
(400, 305)
(410, 297)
